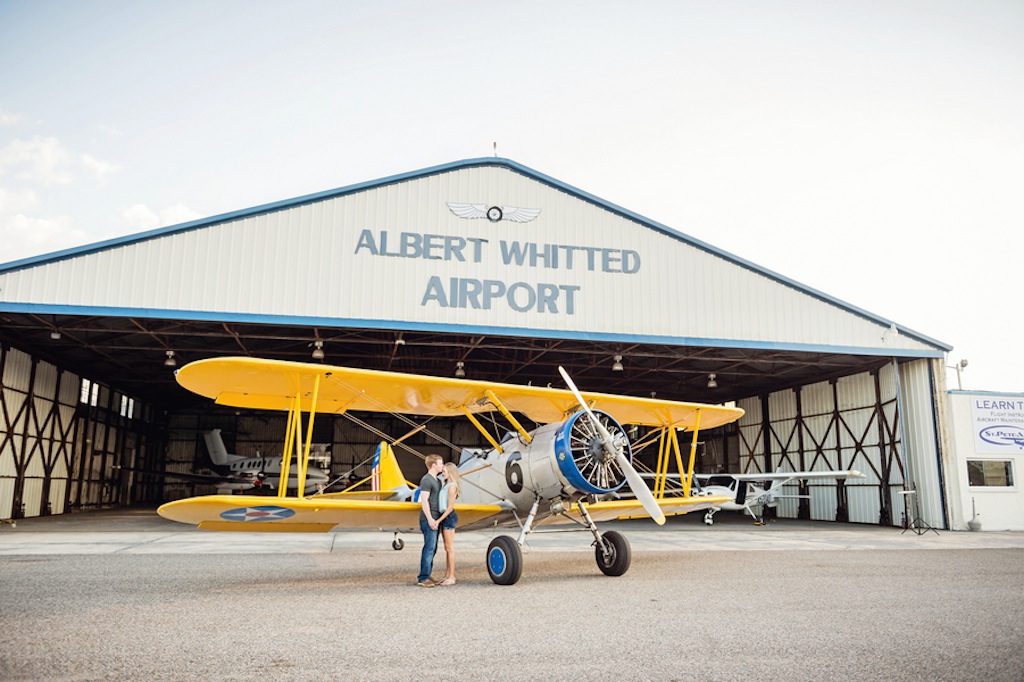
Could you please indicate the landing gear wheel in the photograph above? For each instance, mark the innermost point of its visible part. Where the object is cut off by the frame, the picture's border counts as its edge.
(397, 544)
(504, 560)
(613, 553)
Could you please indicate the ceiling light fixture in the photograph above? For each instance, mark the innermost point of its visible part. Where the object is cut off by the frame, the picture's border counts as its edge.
(170, 361)
(617, 365)
(318, 350)
(459, 371)
(711, 381)
(55, 335)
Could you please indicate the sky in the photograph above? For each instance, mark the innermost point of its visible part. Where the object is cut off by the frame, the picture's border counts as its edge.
(873, 151)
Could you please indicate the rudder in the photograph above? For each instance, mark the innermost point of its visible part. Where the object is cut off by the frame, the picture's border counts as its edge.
(387, 475)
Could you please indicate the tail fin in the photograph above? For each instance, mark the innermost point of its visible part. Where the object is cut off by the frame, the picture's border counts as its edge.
(215, 444)
(386, 473)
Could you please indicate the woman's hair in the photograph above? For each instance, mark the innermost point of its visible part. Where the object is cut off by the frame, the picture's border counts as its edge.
(451, 472)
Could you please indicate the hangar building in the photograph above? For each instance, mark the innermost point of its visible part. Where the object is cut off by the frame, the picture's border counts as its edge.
(481, 267)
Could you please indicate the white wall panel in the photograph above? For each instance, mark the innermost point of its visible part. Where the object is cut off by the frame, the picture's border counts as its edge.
(58, 493)
(7, 461)
(17, 370)
(6, 497)
(32, 496)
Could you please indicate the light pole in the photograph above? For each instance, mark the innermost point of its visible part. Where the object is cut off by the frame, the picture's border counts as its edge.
(959, 367)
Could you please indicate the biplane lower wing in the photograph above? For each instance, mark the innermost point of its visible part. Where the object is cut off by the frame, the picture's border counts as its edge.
(254, 513)
(615, 509)
(261, 514)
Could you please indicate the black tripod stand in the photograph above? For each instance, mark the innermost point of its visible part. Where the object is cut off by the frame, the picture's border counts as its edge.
(918, 525)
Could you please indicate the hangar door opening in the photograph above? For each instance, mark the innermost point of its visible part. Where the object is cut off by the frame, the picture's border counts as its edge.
(852, 422)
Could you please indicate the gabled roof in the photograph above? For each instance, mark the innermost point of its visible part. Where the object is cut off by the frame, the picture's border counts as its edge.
(802, 326)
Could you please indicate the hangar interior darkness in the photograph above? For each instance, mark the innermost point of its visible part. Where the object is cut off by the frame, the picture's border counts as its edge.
(127, 358)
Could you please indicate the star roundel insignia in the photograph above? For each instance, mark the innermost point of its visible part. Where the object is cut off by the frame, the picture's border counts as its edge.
(262, 513)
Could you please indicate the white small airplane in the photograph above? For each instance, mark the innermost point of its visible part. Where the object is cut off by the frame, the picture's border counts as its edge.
(748, 490)
(237, 474)
(246, 473)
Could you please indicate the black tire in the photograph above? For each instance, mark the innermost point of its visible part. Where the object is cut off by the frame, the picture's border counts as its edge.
(504, 560)
(397, 544)
(616, 560)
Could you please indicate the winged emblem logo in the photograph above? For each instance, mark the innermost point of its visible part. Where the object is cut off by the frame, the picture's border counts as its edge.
(493, 213)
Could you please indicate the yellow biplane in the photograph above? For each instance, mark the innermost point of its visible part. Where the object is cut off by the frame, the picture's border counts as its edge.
(568, 470)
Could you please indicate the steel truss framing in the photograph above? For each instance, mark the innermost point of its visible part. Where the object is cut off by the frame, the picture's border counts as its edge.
(848, 423)
(62, 447)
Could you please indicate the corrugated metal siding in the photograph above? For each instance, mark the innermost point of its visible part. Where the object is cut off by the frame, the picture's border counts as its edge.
(17, 370)
(303, 262)
(32, 496)
(6, 497)
(58, 493)
(921, 437)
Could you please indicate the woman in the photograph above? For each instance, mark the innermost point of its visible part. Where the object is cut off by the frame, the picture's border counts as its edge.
(449, 519)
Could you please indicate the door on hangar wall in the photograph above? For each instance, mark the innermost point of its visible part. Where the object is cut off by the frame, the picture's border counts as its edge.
(848, 423)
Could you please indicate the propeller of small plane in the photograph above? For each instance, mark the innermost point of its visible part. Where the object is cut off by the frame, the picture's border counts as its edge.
(636, 484)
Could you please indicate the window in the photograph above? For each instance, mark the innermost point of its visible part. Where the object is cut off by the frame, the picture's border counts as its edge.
(127, 406)
(990, 472)
(89, 393)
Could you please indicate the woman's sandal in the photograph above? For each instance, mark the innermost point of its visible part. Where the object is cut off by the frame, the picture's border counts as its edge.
(446, 582)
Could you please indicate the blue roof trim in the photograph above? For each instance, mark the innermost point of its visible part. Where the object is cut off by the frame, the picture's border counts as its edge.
(461, 165)
(400, 325)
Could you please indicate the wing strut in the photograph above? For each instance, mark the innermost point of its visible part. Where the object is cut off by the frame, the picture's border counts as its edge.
(301, 489)
(481, 429)
(289, 442)
(508, 415)
(668, 446)
(693, 455)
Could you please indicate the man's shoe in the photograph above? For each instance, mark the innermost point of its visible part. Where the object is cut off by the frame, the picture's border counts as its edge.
(426, 583)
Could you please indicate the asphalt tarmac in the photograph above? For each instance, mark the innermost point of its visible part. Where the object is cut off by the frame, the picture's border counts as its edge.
(129, 596)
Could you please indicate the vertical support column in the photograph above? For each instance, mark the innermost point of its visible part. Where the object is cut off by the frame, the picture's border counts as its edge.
(842, 509)
(766, 429)
(804, 504)
(885, 446)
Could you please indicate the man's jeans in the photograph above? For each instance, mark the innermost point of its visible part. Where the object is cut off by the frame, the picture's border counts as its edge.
(429, 549)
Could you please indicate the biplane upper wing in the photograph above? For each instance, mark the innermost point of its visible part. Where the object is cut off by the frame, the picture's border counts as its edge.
(274, 384)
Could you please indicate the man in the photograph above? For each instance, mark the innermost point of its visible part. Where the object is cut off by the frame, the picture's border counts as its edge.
(430, 489)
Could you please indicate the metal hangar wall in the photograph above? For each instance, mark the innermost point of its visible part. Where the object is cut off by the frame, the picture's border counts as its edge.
(483, 262)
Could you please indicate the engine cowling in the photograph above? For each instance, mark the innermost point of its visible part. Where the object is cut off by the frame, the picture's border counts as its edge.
(563, 459)
(582, 459)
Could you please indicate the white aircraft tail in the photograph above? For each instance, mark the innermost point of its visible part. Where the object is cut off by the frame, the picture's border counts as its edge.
(215, 445)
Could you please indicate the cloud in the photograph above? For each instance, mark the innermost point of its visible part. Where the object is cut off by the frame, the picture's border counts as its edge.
(45, 160)
(9, 119)
(22, 236)
(101, 169)
(17, 201)
(142, 217)
(41, 159)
